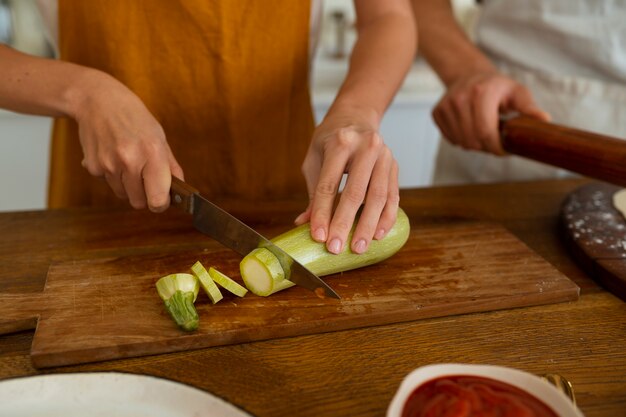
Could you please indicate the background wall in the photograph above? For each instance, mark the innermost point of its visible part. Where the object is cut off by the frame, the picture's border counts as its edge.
(407, 126)
(24, 140)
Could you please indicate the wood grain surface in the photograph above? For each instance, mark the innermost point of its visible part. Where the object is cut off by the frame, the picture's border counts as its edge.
(108, 308)
(596, 234)
(352, 372)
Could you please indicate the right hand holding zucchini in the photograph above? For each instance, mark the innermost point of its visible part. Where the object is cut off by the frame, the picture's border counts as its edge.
(348, 142)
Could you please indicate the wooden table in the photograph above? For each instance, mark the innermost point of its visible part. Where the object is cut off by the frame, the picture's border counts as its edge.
(353, 372)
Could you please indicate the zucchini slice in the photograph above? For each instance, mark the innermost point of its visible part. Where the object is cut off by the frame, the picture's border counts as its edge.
(207, 283)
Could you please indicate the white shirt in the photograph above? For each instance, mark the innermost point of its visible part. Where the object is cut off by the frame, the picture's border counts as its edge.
(582, 38)
(571, 55)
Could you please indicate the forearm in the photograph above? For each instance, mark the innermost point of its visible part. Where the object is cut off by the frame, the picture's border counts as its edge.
(444, 44)
(379, 62)
(47, 87)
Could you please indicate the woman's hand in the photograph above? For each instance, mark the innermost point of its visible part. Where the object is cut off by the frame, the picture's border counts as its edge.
(468, 114)
(348, 141)
(342, 144)
(123, 143)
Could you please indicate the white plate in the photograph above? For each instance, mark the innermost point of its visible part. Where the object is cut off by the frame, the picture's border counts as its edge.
(110, 394)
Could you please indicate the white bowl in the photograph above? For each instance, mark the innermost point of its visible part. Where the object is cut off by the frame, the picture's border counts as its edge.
(525, 381)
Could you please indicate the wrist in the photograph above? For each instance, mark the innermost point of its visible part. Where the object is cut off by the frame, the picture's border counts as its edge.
(462, 71)
(351, 112)
(87, 86)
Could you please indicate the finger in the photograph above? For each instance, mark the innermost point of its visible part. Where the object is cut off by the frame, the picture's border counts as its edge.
(303, 217)
(448, 119)
(311, 171)
(523, 102)
(92, 167)
(488, 105)
(115, 182)
(325, 190)
(133, 184)
(157, 180)
(390, 211)
(354, 193)
(175, 168)
(375, 201)
(443, 128)
(90, 157)
(463, 113)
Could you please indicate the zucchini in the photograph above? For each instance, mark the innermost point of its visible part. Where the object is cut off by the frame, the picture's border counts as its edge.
(179, 292)
(208, 285)
(225, 282)
(264, 275)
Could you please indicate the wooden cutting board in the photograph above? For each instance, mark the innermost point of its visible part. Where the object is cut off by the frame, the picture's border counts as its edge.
(596, 234)
(100, 309)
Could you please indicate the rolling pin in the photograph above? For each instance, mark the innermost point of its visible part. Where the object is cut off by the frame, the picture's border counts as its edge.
(589, 154)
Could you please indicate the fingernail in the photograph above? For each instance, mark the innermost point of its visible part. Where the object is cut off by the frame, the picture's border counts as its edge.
(298, 219)
(320, 235)
(157, 209)
(380, 234)
(335, 246)
(360, 246)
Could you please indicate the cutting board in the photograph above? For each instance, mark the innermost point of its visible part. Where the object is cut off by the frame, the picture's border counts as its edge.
(596, 234)
(100, 309)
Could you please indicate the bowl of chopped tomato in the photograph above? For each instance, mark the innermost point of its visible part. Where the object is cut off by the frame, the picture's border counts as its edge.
(464, 390)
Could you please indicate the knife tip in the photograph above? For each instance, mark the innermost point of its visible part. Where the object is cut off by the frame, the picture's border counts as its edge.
(326, 292)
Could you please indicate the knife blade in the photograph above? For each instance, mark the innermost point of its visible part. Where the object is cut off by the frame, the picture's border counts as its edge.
(236, 235)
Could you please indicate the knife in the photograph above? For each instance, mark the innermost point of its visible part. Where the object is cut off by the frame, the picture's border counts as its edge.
(236, 235)
(590, 154)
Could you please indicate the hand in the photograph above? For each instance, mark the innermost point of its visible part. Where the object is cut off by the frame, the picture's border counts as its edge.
(125, 144)
(468, 114)
(341, 145)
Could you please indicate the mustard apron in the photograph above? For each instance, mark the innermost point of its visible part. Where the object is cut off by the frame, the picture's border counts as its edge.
(571, 54)
(227, 80)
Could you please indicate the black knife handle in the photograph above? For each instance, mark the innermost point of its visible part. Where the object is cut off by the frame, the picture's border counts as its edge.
(182, 195)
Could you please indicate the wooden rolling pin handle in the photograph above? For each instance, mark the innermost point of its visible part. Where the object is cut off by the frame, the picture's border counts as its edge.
(590, 154)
